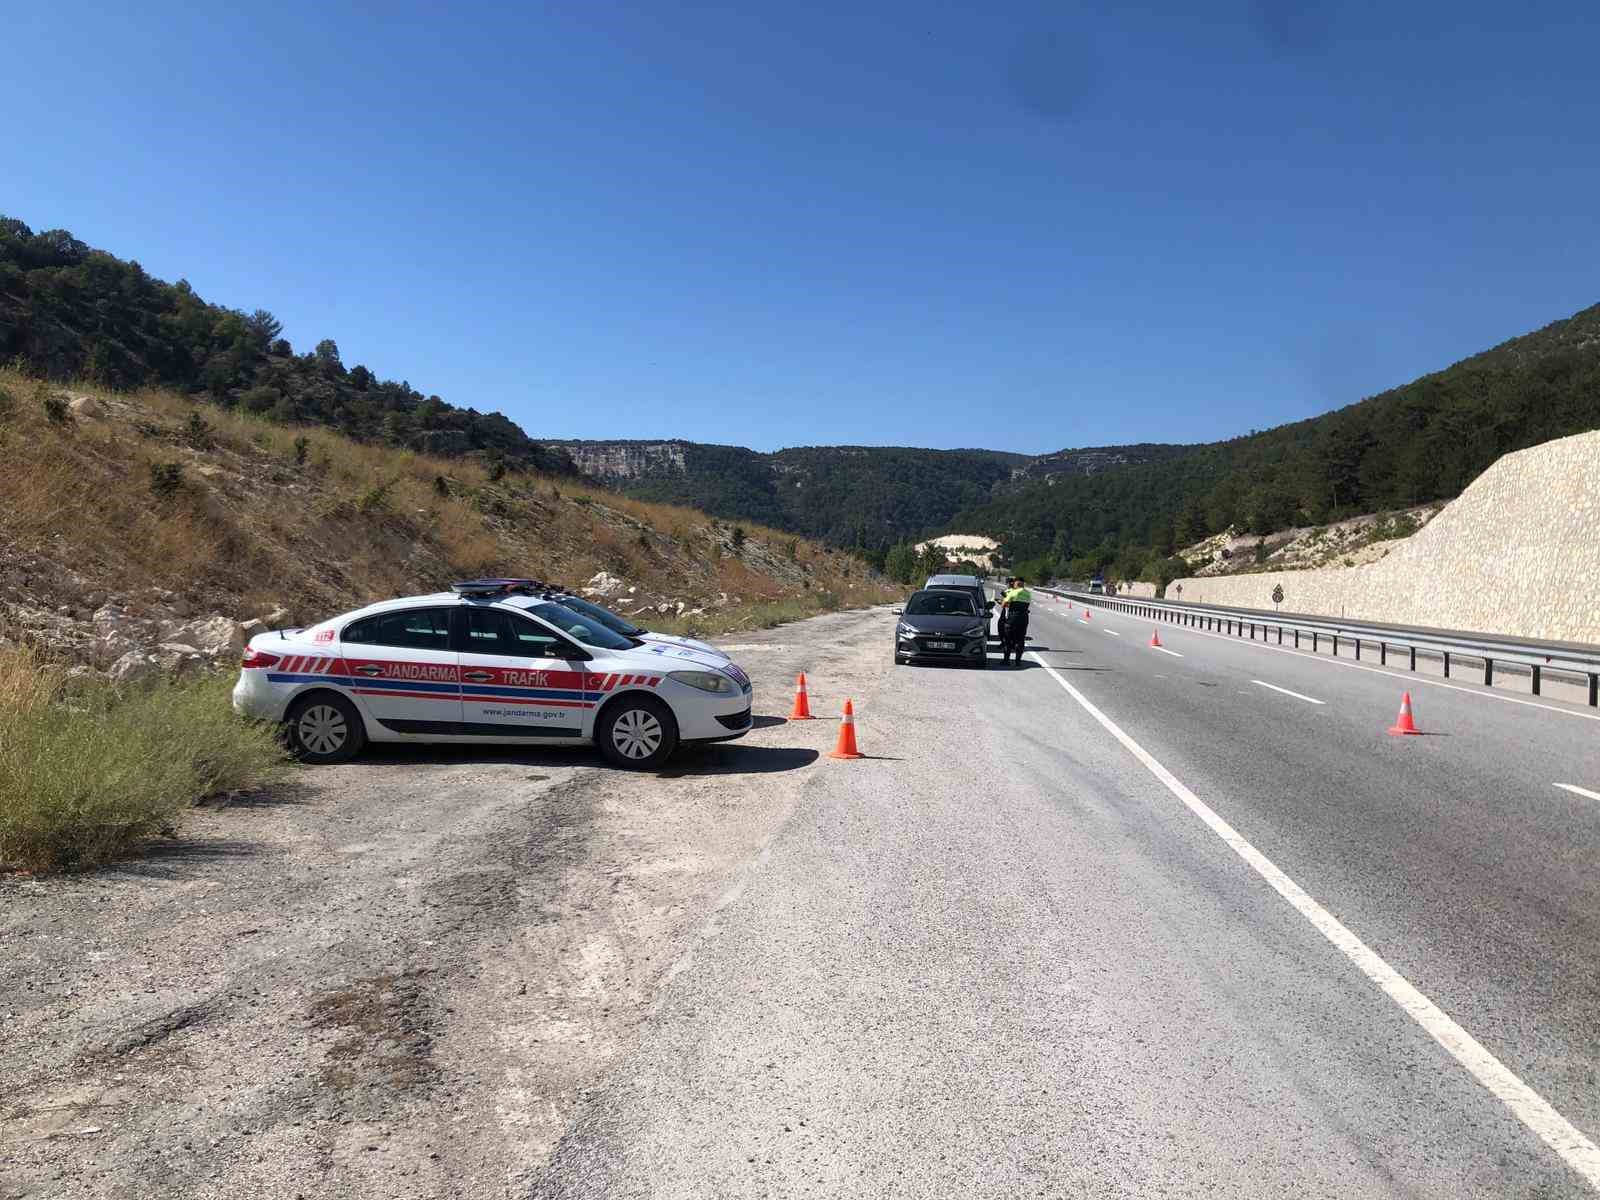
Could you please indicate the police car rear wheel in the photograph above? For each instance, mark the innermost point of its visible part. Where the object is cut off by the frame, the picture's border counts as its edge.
(325, 729)
(638, 733)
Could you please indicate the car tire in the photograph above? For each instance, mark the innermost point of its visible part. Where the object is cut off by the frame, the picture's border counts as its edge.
(324, 728)
(637, 732)
(899, 660)
(982, 664)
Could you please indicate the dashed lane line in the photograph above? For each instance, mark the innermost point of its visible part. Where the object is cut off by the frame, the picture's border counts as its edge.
(1112, 632)
(1164, 650)
(1578, 791)
(1576, 1150)
(1409, 676)
(1274, 687)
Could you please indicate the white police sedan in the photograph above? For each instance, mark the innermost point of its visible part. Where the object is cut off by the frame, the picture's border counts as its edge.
(490, 660)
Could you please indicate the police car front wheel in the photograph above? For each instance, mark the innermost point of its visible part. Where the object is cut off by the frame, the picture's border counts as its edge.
(638, 733)
(325, 728)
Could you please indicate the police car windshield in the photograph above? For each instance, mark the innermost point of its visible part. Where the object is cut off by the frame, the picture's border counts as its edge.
(583, 628)
(940, 604)
(605, 616)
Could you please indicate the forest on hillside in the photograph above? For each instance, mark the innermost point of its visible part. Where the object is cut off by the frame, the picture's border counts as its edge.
(68, 311)
(862, 497)
(1423, 441)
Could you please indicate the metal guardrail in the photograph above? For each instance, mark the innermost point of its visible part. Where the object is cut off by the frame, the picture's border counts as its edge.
(1538, 657)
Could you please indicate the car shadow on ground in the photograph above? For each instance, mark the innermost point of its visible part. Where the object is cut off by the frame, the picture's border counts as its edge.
(715, 759)
(737, 760)
(767, 722)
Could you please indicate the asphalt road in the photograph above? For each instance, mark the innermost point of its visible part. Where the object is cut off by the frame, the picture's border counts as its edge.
(1006, 956)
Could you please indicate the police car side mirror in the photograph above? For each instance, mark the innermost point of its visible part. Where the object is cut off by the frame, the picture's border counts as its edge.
(899, 612)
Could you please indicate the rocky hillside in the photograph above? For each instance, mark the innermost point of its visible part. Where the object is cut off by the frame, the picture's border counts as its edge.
(141, 531)
(1347, 543)
(1515, 553)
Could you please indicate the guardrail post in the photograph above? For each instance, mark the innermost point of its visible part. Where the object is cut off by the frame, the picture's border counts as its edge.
(1315, 638)
(1280, 635)
(1488, 672)
(1383, 654)
(1447, 664)
(1358, 649)
(1336, 645)
(1413, 658)
(1535, 679)
(1297, 639)
(1594, 690)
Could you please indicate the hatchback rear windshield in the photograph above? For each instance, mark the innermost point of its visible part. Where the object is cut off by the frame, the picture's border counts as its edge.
(940, 604)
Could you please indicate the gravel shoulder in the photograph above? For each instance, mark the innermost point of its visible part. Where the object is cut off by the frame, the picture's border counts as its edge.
(399, 977)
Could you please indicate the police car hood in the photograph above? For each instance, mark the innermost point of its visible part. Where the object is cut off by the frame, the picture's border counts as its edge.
(671, 656)
(672, 639)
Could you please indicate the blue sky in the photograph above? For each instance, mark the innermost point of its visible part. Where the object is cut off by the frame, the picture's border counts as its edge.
(1019, 226)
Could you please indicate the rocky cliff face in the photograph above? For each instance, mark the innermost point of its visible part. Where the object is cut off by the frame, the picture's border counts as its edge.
(619, 462)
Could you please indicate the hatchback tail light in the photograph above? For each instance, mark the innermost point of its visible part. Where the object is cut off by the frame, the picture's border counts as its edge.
(258, 658)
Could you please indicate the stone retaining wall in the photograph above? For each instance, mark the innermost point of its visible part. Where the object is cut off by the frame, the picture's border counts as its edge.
(1517, 553)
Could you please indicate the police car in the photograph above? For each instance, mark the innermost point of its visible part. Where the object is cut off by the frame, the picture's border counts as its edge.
(490, 660)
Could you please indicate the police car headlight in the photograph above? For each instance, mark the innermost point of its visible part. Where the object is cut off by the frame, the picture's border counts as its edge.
(706, 681)
(977, 631)
(906, 631)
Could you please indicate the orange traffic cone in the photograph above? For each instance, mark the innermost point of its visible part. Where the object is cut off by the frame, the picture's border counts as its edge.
(1086, 614)
(802, 705)
(1403, 723)
(1155, 638)
(847, 735)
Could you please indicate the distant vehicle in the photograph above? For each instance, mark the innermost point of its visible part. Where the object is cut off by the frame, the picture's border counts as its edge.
(491, 660)
(941, 625)
(1097, 585)
(968, 585)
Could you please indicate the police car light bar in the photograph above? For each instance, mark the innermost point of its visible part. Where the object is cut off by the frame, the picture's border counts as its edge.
(494, 587)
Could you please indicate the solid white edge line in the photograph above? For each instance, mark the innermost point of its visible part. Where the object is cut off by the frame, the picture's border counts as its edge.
(1287, 692)
(1576, 1150)
(1164, 650)
(1112, 632)
(1190, 631)
(1575, 789)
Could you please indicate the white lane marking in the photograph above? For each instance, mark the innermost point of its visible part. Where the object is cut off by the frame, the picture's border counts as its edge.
(1576, 790)
(1112, 632)
(1286, 691)
(1576, 1150)
(1164, 650)
(1406, 675)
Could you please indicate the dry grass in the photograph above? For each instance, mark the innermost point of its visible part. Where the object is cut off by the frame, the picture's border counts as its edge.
(87, 771)
(265, 515)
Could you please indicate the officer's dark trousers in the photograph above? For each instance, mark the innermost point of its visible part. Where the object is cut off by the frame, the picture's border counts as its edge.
(1016, 633)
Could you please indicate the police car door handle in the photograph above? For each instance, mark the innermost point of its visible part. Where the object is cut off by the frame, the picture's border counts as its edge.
(477, 676)
(369, 670)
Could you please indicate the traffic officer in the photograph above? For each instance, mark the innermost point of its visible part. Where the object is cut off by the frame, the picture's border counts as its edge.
(1014, 614)
(1000, 619)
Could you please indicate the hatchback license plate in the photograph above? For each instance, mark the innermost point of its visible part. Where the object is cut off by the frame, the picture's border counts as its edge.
(941, 645)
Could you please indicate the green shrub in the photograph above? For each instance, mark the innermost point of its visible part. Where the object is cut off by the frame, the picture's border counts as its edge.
(166, 479)
(301, 445)
(197, 432)
(8, 406)
(55, 409)
(86, 774)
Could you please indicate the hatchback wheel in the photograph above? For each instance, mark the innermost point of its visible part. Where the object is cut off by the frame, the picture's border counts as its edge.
(325, 728)
(638, 733)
